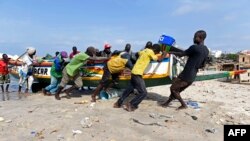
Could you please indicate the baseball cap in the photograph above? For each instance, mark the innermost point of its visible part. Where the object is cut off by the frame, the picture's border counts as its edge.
(107, 46)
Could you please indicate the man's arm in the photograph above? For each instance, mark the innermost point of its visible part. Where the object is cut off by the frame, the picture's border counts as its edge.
(129, 64)
(162, 56)
(179, 54)
(94, 58)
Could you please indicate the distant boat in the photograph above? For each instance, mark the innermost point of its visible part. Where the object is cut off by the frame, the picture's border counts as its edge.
(156, 73)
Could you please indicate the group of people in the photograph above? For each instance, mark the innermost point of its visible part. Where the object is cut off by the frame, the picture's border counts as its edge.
(116, 62)
(25, 72)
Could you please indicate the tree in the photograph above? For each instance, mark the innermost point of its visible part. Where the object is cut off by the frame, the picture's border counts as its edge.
(233, 57)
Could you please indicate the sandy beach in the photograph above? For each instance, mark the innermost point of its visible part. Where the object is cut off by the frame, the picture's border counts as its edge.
(39, 117)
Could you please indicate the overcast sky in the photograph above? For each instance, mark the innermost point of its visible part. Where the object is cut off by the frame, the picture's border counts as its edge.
(56, 25)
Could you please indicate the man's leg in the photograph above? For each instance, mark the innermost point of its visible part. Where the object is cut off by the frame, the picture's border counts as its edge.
(171, 97)
(64, 82)
(29, 82)
(53, 84)
(176, 92)
(78, 84)
(57, 95)
(53, 91)
(105, 80)
(7, 88)
(125, 94)
(139, 84)
(7, 77)
(2, 82)
(3, 98)
(96, 92)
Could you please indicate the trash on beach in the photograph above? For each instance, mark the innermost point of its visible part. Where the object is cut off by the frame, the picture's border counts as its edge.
(212, 130)
(8, 121)
(53, 131)
(76, 132)
(33, 133)
(38, 134)
(86, 123)
(193, 104)
(30, 111)
(82, 102)
(151, 124)
(154, 115)
(110, 93)
(1, 119)
(60, 137)
(194, 117)
(92, 104)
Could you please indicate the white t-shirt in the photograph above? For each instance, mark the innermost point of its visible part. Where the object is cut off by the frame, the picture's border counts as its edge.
(27, 63)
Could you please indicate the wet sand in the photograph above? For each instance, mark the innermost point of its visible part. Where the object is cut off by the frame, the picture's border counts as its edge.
(39, 117)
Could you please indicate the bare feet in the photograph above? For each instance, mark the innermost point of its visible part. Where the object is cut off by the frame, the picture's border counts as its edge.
(165, 104)
(93, 99)
(68, 96)
(128, 107)
(182, 107)
(57, 97)
(44, 91)
(116, 105)
(48, 94)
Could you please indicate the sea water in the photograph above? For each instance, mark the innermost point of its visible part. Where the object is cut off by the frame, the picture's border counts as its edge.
(13, 90)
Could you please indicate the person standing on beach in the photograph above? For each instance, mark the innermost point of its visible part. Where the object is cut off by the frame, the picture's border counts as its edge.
(107, 51)
(115, 65)
(72, 71)
(127, 53)
(149, 45)
(56, 73)
(74, 52)
(57, 53)
(4, 74)
(137, 81)
(197, 55)
(26, 71)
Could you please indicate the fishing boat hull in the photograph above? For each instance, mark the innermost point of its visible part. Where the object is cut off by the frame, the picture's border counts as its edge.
(156, 73)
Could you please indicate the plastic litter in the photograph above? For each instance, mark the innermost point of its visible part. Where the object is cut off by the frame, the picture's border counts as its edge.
(193, 104)
(86, 123)
(1, 119)
(8, 121)
(154, 115)
(33, 133)
(76, 132)
(60, 137)
(110, 93)
(81, 102)
(92, 104)
(212, 130)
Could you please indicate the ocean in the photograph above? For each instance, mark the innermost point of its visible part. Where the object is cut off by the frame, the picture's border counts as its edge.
(13, 91)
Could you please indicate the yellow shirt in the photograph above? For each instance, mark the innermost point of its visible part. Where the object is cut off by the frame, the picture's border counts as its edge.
(116, 64)
(142, 62)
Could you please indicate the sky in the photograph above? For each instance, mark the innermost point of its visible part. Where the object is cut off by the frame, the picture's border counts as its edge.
(58, 25)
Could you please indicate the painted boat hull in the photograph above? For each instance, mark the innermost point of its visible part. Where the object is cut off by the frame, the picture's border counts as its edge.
(156, 73)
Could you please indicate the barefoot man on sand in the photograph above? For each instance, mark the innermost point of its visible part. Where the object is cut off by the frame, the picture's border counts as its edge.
(197, 55)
